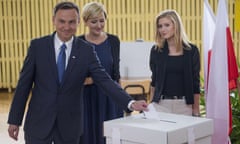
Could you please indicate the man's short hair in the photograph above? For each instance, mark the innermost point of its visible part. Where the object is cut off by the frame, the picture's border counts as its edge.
(65, 5)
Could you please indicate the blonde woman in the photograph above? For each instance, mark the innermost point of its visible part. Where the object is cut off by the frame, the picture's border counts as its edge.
(98, 106)
(175, 66)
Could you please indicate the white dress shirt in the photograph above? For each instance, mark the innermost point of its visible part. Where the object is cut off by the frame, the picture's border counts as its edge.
(57, 46)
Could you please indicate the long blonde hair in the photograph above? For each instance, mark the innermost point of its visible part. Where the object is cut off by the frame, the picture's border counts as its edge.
(180, 36)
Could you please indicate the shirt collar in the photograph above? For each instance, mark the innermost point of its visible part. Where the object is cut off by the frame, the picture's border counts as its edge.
(58, 42)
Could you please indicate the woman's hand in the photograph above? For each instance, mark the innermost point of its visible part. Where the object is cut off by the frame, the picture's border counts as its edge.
(88, 81)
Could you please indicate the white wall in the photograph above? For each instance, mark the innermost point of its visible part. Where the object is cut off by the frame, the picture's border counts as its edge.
(134, 59)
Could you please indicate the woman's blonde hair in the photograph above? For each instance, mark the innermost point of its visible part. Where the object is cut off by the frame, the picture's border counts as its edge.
(180, 36)
(93, 9)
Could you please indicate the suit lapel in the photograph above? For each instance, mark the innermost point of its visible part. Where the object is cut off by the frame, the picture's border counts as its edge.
(72, 59)
(52, 57)
(164, 60)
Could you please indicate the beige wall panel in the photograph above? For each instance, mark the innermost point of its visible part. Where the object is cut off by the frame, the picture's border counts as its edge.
(22, 20)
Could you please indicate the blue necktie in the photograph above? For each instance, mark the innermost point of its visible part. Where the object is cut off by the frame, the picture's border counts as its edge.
(61, 62)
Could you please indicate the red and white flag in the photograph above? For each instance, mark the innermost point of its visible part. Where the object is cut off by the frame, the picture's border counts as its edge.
(208, 34)
(221, 73)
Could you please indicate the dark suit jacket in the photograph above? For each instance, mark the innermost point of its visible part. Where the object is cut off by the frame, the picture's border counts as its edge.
(53, 103)
(158, 63)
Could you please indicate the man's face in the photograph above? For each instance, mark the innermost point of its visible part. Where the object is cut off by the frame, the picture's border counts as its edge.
(66, 22)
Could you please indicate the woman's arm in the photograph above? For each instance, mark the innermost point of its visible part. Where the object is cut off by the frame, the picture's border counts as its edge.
(152, 89)
(196, 105)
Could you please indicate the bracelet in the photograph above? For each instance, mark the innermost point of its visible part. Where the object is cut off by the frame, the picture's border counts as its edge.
(196, 115)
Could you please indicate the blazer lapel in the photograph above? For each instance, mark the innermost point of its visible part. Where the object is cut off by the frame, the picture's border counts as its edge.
(52, 59)
(164, 60)
(72, 59)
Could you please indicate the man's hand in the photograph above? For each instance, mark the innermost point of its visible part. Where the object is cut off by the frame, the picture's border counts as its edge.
(13, 131)
(140, 105)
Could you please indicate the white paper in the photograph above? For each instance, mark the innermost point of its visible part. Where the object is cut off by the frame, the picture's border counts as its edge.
(152, 113)
(191, 136)
(116, 136)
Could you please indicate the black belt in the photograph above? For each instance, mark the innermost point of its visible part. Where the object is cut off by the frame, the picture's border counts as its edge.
(172, 97)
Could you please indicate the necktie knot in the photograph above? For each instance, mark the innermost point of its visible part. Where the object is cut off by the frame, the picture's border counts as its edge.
(63, 47)
(61, 62)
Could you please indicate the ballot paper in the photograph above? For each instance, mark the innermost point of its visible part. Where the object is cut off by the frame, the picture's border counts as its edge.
(151, 113)
(154, 115)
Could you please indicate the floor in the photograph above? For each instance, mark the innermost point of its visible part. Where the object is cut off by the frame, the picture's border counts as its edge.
(5, 101)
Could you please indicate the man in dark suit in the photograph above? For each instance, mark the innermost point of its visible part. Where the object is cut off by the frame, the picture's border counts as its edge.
(55, 110)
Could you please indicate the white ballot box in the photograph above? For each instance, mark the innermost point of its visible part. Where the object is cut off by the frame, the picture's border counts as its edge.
(167, 129)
